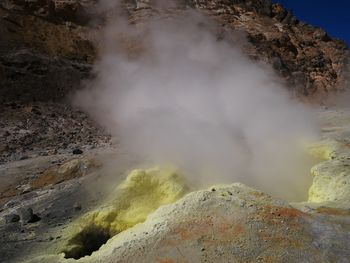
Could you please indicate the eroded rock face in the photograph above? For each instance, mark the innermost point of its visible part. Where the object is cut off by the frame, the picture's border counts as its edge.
(59, 10)
(29, 76)
(60, 42)
(41, 59)
(313, 63)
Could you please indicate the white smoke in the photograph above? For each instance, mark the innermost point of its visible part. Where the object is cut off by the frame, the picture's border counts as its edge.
(172, 93)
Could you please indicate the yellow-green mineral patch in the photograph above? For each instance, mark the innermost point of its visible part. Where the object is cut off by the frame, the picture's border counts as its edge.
(331, 178)
(331, 183)
(140, 194)
(323, 149)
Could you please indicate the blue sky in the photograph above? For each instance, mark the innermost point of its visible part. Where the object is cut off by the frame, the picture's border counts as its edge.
(333, 16)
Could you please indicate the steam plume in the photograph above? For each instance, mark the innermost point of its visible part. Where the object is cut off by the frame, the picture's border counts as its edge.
(172, 93)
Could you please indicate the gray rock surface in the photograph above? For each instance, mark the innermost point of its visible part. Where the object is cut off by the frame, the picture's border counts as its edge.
(32, 129)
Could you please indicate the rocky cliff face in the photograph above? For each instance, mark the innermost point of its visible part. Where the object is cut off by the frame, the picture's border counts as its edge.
(41, 57)
(313, 63)
(47, 47)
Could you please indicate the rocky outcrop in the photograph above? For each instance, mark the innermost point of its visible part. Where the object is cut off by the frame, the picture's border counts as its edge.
(55, 10)
(30, 76)
(41, 129)
(40, 59)
(51, 43)
(313, 64)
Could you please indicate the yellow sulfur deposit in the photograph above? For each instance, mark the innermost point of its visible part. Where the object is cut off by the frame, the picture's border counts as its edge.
(331, 178)
(323, 150)
(331, 183)
(140, 194)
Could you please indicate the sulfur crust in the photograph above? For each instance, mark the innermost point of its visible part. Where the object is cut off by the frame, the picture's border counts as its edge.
(140, 194)
(323, 150)
(331, 178)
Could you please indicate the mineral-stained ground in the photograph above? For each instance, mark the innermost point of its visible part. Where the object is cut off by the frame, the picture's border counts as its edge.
(59, 203)
(53, 220)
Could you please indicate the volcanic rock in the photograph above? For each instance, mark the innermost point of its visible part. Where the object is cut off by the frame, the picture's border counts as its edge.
(77, 206)
(41, 59)
(12, 218)
(26, 134)
(69, 170)
(27, 216)
(77, 151)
